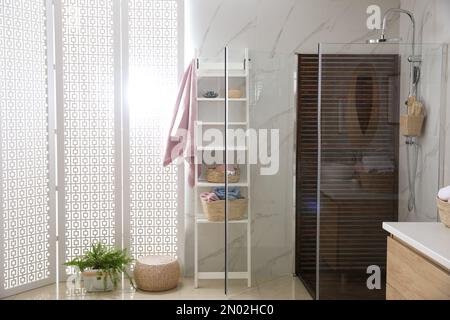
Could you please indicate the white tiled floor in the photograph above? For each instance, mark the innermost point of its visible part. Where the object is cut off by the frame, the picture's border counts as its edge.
(285, 288)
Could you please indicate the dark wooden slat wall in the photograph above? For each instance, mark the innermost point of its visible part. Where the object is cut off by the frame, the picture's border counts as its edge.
(306, 179)
(351, 237)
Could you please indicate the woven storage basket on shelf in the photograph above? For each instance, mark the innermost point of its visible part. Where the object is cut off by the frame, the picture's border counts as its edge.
(444, 211)
(216, 176)
(215, 210)
(410, 125)
(235, 94)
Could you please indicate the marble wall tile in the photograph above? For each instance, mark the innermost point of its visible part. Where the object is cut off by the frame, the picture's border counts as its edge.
(432, 29)
(277, 26)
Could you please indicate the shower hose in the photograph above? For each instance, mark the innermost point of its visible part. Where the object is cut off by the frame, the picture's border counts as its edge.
(411, 145)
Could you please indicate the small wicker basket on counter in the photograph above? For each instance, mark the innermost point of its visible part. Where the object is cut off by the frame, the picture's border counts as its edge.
(215, 210)
(213, 175)
(444, 211)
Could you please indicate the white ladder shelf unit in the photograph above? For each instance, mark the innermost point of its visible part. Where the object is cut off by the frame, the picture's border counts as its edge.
(238, 73)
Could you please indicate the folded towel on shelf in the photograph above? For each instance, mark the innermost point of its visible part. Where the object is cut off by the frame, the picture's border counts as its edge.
(233, 193)
(444, 194)
(209, 197)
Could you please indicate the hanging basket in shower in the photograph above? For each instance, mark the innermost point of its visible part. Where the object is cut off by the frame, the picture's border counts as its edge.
(411, 125)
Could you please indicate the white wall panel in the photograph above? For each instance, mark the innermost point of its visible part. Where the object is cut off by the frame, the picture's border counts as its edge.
(89, 144)
(26, 227)
(116, 96)
(153, 32)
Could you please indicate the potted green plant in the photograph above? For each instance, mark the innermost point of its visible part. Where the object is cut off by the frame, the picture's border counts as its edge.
(101, 267)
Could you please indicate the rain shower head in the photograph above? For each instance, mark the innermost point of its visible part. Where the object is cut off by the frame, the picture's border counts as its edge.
(383, 39)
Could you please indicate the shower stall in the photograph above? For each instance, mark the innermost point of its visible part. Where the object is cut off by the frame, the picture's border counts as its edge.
(355, 169)
(344, 153)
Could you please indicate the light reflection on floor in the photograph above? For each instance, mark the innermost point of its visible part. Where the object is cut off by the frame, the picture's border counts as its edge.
(284, 288)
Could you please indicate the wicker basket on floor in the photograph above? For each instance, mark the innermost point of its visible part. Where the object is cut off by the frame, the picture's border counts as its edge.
(216, 176)
(444, 211)
(157, 273)
(215, 210)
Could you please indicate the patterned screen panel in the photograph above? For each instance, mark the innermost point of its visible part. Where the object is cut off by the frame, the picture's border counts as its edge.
(153, 51)
(89, 141)
(24, 196)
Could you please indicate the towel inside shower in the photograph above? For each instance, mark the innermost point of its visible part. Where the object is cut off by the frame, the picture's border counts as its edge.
(381, 164)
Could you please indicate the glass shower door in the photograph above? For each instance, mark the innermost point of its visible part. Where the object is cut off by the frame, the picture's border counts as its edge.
(363, 163)
(260, 139)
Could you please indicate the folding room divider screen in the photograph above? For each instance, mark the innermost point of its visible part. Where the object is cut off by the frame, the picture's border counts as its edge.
(27, 215)
(85, 86)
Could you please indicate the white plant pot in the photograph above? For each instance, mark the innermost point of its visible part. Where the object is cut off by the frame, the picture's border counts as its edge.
(94, 281)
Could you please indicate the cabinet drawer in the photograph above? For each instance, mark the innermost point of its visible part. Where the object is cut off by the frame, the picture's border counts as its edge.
(411, 276)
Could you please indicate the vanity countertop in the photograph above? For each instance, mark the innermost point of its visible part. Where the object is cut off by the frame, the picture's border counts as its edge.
(431, 239)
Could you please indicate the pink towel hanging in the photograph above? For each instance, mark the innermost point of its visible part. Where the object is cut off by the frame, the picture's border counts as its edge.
(180, 142)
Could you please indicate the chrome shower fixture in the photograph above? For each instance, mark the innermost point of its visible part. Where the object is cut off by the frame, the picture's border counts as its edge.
(383, 38)
(414, 77)
(413, 59)
(411, 17)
